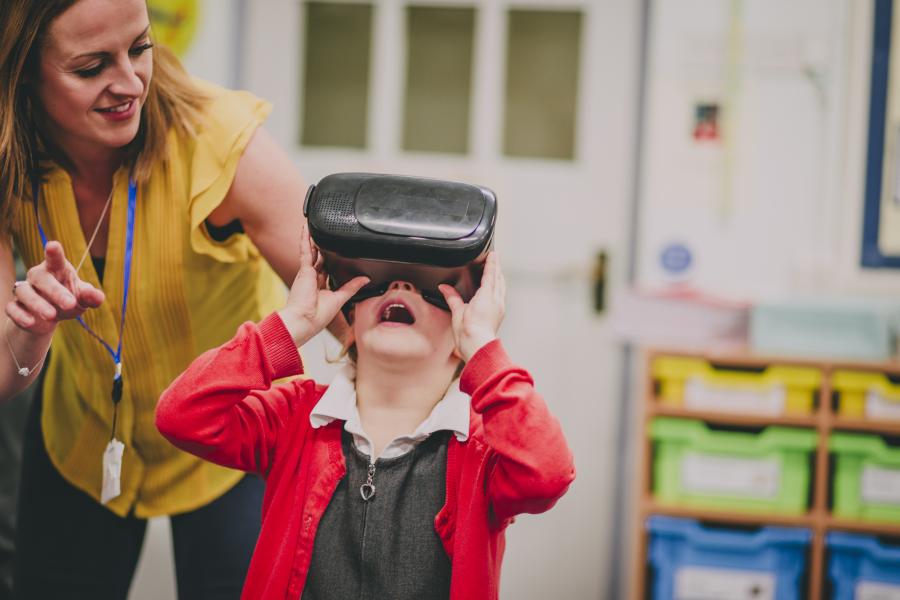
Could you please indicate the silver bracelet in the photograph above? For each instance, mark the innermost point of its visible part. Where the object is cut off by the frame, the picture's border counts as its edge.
(23, 371)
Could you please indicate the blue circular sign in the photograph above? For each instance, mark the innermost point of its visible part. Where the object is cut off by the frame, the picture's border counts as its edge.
(675, 258)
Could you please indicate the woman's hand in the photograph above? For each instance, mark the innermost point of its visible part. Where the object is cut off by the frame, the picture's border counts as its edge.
(476, 323)
(311, 305)
(51, 292)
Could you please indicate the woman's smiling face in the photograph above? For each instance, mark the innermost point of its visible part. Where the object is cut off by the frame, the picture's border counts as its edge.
(94, 74)
(402, 325)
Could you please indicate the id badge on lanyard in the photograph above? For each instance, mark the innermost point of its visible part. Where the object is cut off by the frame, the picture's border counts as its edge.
(112, 456)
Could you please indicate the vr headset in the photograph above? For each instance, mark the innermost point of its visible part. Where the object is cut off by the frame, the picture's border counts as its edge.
(399, 228)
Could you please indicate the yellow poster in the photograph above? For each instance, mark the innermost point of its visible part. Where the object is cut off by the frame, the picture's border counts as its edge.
(174, 23)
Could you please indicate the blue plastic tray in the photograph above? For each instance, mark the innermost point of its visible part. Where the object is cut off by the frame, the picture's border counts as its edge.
(862, 567)
(697, 562)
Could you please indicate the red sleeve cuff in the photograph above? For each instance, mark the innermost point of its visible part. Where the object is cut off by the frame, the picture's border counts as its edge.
(279, 347)
(486, 362)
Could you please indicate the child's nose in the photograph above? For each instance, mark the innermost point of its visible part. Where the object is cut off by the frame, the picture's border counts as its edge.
(402, 285)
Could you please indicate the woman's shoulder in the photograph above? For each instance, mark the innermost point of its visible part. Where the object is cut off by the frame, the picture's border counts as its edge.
(228, 111)
(209, 157)
(222, 130)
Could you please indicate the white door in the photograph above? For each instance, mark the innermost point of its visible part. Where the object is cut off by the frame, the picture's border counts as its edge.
(554, 216)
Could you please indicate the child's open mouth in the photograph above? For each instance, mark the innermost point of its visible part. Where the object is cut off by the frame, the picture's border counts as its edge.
(396, 312)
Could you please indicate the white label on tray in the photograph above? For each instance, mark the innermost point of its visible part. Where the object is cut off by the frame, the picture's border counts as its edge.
(707, 583)
(880, 486)
(700, 396)
(707, 473)
(871, 590)
(879, 407)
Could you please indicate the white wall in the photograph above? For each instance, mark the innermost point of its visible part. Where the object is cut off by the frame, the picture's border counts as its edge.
(752, 207)
(773, 209)
(213, 53)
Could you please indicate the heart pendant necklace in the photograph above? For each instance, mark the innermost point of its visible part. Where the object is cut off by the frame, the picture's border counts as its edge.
(367, 490)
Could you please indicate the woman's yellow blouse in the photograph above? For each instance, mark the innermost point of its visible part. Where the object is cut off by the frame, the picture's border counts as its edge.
(188, 293)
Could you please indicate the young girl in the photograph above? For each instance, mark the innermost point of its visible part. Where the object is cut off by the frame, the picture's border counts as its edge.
(397, 480)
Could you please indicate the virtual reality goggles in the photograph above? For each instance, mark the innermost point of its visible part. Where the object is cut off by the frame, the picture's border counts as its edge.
(399, 228)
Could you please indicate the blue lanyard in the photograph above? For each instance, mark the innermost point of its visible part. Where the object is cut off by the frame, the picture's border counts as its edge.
(129, 250)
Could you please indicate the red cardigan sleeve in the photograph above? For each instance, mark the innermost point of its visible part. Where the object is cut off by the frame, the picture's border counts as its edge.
(531, 465)
(224, 408)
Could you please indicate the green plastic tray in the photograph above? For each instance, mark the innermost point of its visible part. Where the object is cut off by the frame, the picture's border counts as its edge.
(755, 472)
(866, 477)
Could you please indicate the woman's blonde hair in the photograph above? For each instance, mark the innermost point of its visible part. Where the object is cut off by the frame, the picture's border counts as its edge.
(172, 102)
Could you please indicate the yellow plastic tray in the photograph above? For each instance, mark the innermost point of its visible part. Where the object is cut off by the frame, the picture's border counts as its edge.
(776, 390)
(866, 394)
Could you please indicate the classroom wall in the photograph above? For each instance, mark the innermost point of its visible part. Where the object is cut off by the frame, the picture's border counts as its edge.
(771, 206)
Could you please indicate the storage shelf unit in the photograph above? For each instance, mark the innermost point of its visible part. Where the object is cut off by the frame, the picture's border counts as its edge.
(823, 420)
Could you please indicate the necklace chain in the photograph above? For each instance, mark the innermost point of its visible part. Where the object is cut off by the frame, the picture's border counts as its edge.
(87, 249)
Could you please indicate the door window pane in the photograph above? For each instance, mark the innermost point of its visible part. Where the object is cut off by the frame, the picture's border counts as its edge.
(542, 68)
(336, 79)
(438, 78)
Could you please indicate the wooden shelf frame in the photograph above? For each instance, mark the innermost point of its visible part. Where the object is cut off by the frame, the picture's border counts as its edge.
(823, 419)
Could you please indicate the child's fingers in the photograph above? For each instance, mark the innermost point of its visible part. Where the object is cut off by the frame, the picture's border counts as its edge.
(318, 259)
(499, 279)
(489, 274)
(331, 303)
(307, 254)
(492, 278)
(346, 291)
(457, 308)
(452, 297)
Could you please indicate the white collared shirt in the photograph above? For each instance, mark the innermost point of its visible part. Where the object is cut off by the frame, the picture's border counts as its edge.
(339, 402)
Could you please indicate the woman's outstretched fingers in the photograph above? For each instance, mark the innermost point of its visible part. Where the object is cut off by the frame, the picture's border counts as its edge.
(19, 315)
(31, 301)
(88, 296)
(53, 279)
(55, 258)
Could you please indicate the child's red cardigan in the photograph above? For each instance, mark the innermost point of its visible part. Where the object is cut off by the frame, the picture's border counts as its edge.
(225, 409)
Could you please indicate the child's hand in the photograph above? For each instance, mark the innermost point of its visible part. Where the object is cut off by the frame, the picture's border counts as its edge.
(476, 323)
(310, 304)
